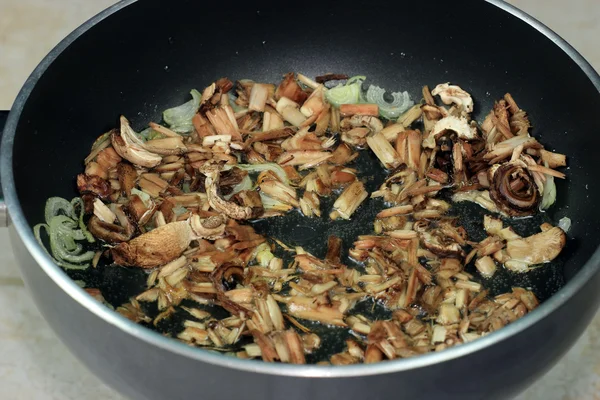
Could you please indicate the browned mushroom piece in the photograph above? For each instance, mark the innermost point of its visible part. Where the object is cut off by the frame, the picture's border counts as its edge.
(154, 248)
(460, 126)
(374, 124)
(109, 232)
(536, 249)
(129, 146)
(93, 184)
(513, 190)
(189, 219)
(440, 244)
(127, 176)
(433, 113)
(221, 205)
(138, 210)
(166, 146)
(250, 198)
(452, 94)
(334, 249)
(212, 227)
(231, 177)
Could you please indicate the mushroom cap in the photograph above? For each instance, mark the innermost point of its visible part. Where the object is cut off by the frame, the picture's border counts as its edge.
(446, 248)
(454, 94)
(110, 233)
(461, 126)
(166, 146)
(539, 248)
(154, 248)
(130, 147)
(208, 228)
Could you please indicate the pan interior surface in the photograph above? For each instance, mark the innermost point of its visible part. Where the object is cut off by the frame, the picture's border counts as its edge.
(133, 69)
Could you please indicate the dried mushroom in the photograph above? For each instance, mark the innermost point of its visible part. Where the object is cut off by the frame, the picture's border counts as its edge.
(458, 125)
(180, 200)
(537, 249)
(129, 146)
(212, 227)
(228, 208)
(452, 94)
(155, 248)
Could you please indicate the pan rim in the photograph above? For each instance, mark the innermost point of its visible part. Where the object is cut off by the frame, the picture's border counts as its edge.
(168, 344)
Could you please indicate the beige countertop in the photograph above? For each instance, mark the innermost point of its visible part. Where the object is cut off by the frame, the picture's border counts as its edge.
(34, 364)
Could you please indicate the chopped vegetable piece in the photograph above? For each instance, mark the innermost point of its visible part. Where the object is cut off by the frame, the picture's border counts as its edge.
(345, 94)
(186, 208)
(391, 110)
(180, 118)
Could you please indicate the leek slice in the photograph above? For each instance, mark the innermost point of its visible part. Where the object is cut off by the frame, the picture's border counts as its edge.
(401, 102)
(346, 94)
(180, 118)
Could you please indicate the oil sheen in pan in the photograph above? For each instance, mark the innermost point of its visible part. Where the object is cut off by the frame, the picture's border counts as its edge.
(118, 284)
(295, 229)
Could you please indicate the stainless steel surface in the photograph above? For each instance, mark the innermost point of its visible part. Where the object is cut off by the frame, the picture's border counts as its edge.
(4, 218)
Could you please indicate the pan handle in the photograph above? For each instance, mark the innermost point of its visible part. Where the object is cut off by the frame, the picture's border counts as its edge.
(4, 220)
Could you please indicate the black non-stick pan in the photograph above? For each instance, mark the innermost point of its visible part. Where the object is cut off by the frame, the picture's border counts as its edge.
(138, 58)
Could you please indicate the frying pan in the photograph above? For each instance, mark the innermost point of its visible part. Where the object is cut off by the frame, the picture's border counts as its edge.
(138, 58)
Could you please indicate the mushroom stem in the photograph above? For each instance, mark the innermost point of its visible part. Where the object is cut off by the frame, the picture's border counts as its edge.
(228, 208)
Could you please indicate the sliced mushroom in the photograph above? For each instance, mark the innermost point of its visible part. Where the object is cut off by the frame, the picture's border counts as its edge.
(290, 111)
(440, 244)
(513, 190)
(93, 184)
(373, 123)
(231, 177)
(433, 113)
(110, 233)
(454, 94)
(537, 249)
(166, 146)
(154, 248)
(129, 146)
(356, 136)
(479, 197)
(211, 228)
(139, 210)
(219, 204)
(127, 177)
(460, 126)
(250, 198)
